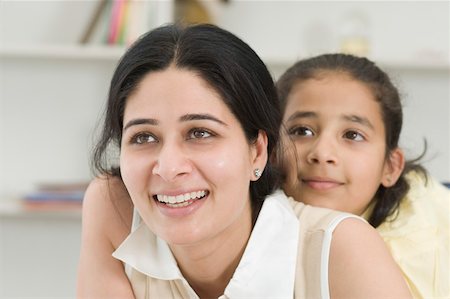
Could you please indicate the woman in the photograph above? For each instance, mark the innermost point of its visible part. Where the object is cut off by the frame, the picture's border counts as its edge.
(194, 116)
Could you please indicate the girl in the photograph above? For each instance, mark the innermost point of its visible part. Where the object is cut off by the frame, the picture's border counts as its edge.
(343, 118)
(194, 115)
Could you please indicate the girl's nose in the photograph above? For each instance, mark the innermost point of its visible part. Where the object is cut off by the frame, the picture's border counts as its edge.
(322, 151)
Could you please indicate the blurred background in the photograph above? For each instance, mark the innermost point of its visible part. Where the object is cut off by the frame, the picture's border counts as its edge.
(56, 60)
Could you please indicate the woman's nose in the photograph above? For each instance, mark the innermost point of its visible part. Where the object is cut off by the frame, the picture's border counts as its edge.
(172, 162)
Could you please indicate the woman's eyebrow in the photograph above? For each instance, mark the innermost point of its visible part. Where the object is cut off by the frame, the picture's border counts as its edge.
(201, 116)
(140, 121)
(186, 117)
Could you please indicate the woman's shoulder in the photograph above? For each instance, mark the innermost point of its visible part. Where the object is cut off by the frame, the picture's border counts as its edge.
(333, 242)
(358, 257)
(317, 218)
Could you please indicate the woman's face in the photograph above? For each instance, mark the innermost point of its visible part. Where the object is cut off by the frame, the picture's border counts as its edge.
(336, 158)
(185, 159)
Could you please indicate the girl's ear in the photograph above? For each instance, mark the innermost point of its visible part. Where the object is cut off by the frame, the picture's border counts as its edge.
(259, 154)
(393, 168)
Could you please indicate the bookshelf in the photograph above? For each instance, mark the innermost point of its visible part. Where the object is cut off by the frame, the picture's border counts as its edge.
(60, 51)
(112, 53)
(14, 208)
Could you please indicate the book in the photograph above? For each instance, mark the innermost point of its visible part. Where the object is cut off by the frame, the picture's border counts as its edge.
(55, 197)
(99, 10)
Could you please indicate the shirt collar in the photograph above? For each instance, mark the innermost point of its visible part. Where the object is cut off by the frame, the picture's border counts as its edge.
(267, 268)
(145, 252)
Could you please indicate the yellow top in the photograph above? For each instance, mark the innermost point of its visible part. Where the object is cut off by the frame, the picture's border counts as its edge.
(418, 237)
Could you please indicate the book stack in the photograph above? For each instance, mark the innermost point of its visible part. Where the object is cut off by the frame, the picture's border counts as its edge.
(51, 197)
(121, 22)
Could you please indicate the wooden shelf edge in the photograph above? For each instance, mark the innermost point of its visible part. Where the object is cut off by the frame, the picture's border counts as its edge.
(16, 208)
(75, 52)
(98, 52)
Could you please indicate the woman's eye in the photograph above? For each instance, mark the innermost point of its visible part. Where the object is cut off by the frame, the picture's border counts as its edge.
(301, 131)
(143, 138)
(199, 134)
(353, 135)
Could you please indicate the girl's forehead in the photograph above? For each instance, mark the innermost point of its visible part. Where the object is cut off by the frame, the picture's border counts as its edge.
(332, 84)
(334, 93)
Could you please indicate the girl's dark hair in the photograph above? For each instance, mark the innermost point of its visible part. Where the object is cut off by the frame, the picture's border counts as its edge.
(220, 58)
(386, 94)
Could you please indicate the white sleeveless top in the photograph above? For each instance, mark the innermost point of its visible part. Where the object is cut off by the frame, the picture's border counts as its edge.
(286, 256)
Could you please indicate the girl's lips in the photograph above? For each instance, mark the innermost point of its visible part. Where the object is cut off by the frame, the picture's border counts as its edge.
(321, 184)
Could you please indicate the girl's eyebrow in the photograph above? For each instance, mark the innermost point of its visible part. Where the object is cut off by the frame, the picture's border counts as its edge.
(184, 118)
(358, 119)
(302, 114)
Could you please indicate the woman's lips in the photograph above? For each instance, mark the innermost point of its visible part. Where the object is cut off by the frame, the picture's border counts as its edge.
(182, 204)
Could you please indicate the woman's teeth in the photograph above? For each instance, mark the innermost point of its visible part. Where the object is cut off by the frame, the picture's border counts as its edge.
(182, 199)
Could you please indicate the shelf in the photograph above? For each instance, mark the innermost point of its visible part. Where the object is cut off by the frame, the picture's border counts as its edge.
(113, 54)
(413, 64)
(383, 62)
(75, 52)
(15, 208)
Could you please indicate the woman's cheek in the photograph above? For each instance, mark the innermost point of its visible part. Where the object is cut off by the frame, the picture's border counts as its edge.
(134, 171)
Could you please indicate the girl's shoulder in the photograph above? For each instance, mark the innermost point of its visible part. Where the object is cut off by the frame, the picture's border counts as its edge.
(107, 206)
(426, 189)
(106, 222)
(426, 205)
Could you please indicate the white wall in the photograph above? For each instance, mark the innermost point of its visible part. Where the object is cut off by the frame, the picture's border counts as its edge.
(49, 112)
(397, 29)
(39, 256)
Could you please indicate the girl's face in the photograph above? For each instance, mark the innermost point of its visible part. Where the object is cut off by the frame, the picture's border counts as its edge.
(185, 159)
(336, 155)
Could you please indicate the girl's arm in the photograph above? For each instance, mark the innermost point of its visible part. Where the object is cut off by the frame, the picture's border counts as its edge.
(105, 224)
(361, 265)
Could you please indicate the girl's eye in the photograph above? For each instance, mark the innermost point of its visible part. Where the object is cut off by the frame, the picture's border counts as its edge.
(353, 135)
(301, 131)
(199, 134)
(143, 138)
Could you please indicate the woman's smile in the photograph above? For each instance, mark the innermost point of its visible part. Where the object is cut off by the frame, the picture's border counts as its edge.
(180, 205)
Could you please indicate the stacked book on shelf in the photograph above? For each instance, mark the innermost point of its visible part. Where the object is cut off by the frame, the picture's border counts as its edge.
(51, 197)
(120, 22)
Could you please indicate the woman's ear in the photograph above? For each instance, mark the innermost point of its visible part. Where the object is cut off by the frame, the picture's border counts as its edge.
(259, 155)
(393, 168)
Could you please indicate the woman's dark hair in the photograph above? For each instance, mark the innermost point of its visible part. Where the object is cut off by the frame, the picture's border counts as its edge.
(386, 94)
(220, 58)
